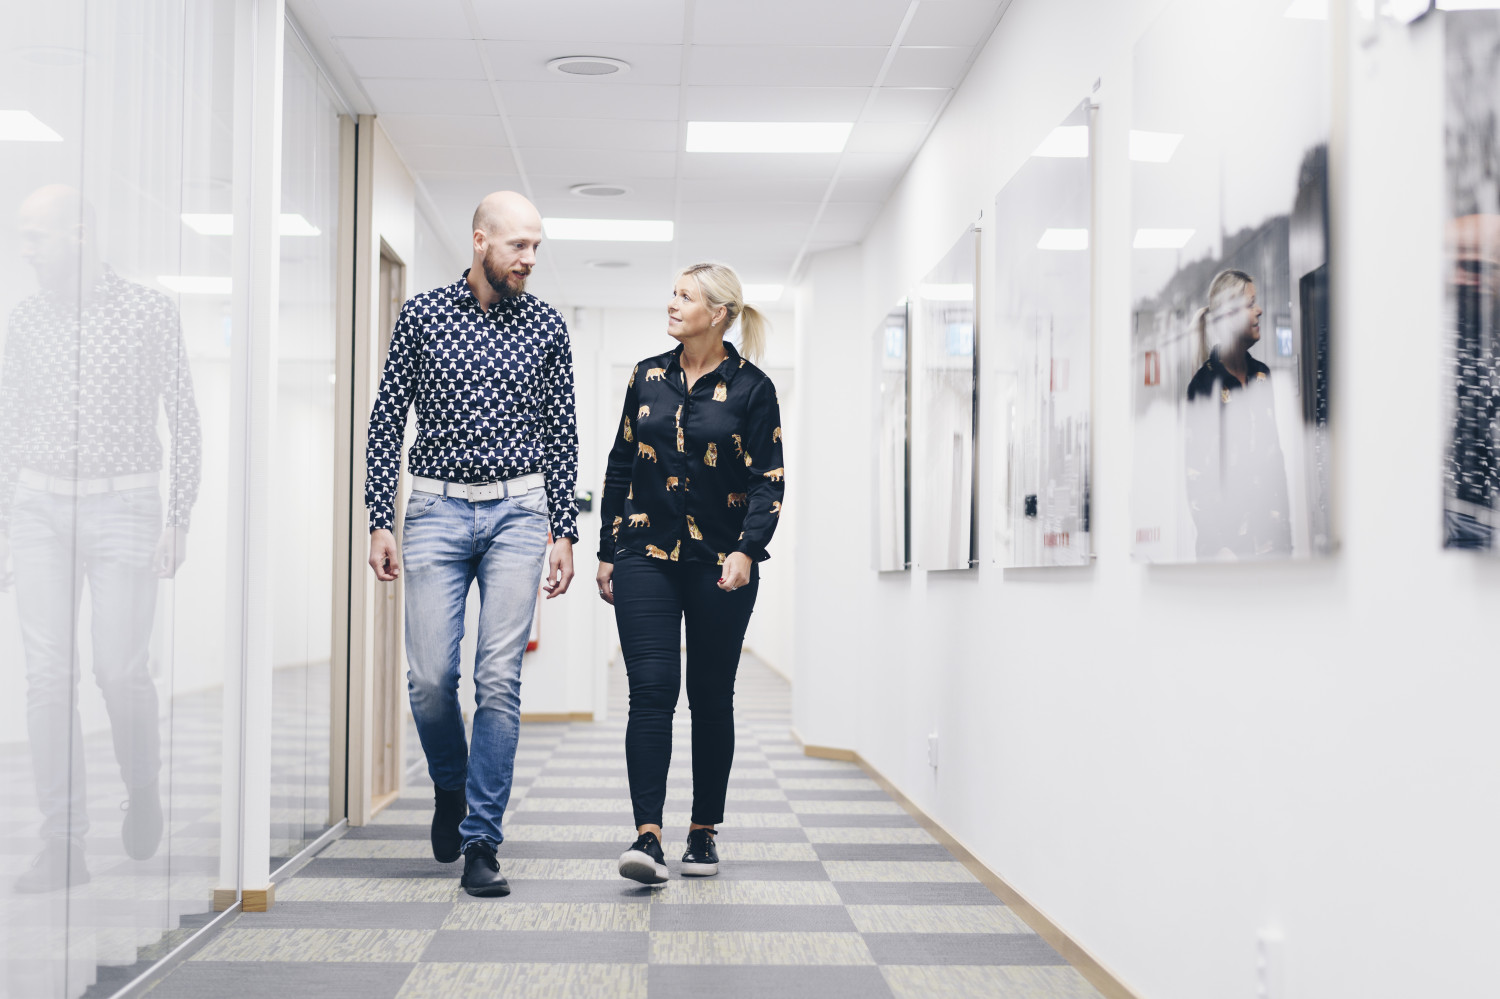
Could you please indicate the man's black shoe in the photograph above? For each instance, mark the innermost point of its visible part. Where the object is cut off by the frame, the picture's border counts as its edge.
(644, 862)
(451, 809)
(482, 872)
(141, 830)
(700, 859)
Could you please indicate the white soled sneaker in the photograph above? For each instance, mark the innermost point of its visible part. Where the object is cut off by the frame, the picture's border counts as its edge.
(700, 859)
(644, 862)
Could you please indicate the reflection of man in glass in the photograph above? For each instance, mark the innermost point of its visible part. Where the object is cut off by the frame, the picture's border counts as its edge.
(1236, 477)
(89, 362)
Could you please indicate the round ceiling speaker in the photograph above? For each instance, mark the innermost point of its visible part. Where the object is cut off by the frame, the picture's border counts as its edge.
(599, 190)
(608, 265)
(591, 66)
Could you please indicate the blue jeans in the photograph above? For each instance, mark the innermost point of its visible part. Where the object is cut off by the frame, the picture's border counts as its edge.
(58, 543)
(446, 545)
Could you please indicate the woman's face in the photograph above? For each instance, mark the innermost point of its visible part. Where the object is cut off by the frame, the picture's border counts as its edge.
(1238, 318)
(688, 315)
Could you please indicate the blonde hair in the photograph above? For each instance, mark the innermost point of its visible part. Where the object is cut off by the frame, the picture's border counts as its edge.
(721, 289)
(1225, 283)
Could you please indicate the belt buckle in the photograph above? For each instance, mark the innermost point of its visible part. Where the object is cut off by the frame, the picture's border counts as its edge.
(484, 492)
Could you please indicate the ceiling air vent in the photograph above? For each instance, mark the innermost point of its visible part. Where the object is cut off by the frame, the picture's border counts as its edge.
(593, 66)
(599, 190)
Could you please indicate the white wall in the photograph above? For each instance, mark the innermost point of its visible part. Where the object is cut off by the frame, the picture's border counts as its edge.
(1112, 743)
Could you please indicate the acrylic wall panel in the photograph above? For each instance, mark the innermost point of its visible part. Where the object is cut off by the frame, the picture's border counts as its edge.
(1043, 295)
(1230, 284)
(892, 520)
(945, 406)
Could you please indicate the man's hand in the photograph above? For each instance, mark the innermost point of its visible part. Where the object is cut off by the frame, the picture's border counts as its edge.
(559, 568)
(171, 552)
(385, 557)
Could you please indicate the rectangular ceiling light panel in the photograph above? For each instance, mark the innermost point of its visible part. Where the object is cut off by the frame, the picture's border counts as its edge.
(1162, 239)
(222, 224)
(609, 230)
(1065, 142)
(1064, 239)
(767, 136)
(23, 126)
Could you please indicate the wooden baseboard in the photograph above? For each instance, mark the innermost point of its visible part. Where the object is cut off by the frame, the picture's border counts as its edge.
(376, 805)
(557, 716)
(1100, 977)
(259, 899)
(224, 898)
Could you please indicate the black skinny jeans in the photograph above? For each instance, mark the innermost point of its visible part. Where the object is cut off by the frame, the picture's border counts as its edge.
(652, 597)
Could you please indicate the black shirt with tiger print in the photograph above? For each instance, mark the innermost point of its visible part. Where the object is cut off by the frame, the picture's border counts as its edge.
(694, 476)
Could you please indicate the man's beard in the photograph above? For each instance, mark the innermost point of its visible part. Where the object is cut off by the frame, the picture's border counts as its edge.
(501, 282)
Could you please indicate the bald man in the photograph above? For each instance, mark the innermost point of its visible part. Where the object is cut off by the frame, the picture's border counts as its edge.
(490, 372)
(91, 363)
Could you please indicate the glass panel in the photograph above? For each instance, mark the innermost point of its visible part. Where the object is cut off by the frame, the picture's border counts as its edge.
(893, 447)
(304, 452)
(113, 452)
(1043, 296)
(946, 403)
(1230, 285)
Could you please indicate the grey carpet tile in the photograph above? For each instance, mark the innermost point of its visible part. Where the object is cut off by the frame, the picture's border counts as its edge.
(238, 979)
(537, 947)
(834, 794)
(349, 915)
(883, 851)
(890, 821)
(914, 893)
(322, 867)
(961, 948)
(816, 918)
(689, 981)
(617, 889)
(762, 870)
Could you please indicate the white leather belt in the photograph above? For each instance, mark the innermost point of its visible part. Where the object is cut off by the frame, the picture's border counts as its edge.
(85, 487)
(480, 492)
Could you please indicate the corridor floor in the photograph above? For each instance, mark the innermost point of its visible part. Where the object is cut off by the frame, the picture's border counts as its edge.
(828, 889)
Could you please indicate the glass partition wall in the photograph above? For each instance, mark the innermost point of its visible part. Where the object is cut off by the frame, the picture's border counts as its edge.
(117, 450)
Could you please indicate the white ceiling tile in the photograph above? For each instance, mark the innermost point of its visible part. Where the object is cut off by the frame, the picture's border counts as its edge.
(493, 160)
(597, 21)
(587, 99)
(836, 232)
(649, 64)
(886, 137)
(394, 18)
(570, 207)
(897, 104)
(412, 58)
(866, 189)
(779, 22)
(444, 129)
(786, 65)
(589, 164)
(759, 164)
(462, 193)
(595, 133)
(752, 188)
(851, 212)
(927, 67)
(874, 164)
(736, 212)
(775, 103)
(952, 22)
(430, 96)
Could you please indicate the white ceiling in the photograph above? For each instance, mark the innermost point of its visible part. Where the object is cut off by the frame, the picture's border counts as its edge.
(461, 87)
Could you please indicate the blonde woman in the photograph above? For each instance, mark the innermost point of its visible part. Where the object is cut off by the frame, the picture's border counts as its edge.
(692, 494)
(1236, 475)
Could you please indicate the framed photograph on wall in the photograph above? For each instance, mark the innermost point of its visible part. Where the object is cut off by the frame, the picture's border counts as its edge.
(945, 408)
(891, 548)
(1044, 331)
(1230, 284)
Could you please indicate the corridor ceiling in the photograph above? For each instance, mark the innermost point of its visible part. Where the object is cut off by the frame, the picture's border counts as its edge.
(463, 89)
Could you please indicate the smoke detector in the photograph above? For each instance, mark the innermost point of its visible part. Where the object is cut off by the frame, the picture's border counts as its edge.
(599, 190)
(589, 66)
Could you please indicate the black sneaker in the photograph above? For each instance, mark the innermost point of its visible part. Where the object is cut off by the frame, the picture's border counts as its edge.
(700, 859)
(644, 862)
(450, 809)
(482, 872)
(141, 830)
(59, 865)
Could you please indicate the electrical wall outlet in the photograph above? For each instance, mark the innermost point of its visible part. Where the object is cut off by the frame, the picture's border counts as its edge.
(1270, 964)
(932, 746)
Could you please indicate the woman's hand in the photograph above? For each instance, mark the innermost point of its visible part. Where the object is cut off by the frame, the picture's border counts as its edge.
(606, 583)
(736, 572)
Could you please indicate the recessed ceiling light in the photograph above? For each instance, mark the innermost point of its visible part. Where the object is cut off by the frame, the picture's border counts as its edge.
(1153, 147)
(762, 292)
(946, 292)
(599, 190)
(607, 265)
(589, 66)
(23, 126)
(222, 224)
(193, 284)
(609, 230)
(1065, 142)
(1162, 239)
(767, 136)
(1064, 239)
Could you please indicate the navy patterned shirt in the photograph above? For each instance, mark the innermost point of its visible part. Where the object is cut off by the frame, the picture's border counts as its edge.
(494, 397)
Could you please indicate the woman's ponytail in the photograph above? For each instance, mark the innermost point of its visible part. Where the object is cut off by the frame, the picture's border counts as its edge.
(753, 327)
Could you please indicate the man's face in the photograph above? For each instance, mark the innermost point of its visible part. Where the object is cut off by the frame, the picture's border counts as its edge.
(51, 247)
(509, 256)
